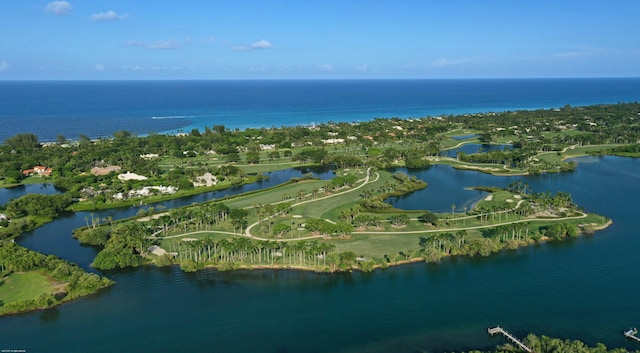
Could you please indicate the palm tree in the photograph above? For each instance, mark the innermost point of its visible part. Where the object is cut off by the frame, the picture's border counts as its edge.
(464, 220)
(453, 207)
(300, 194)
(460, 237)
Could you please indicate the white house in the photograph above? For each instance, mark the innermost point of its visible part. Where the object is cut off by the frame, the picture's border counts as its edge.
(131, 176)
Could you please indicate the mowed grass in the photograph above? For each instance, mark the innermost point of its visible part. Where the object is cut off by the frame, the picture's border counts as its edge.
(378, 245)
(499, 199)
(575, 152)
(275, 195)
(23, 286)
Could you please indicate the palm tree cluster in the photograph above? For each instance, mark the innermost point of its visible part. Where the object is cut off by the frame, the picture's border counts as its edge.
(240, 250)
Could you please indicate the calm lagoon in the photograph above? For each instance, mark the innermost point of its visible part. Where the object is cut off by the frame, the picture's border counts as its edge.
(577, 289)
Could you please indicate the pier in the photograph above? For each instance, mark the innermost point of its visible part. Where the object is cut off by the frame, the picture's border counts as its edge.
(512, 338)
(631, 333)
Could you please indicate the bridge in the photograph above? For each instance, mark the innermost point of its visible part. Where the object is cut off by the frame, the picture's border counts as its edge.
(512, 338)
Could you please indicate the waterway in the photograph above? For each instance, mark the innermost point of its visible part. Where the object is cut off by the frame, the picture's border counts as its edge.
(579, 289)
(470, 148)
(7, 194)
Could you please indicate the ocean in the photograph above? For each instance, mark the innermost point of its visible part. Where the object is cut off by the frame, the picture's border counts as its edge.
(577, 289)
(99, 108)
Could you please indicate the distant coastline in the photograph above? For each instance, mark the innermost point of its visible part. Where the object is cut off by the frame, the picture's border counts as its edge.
(100, 108)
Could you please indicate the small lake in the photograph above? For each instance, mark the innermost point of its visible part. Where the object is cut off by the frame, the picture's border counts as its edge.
(579, 289)
(471, 148)
(7, 194)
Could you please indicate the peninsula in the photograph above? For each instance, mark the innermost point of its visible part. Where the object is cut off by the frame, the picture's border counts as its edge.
(338, 224)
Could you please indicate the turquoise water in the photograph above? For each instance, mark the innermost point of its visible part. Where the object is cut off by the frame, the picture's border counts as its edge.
(580, 289)
(100, 108)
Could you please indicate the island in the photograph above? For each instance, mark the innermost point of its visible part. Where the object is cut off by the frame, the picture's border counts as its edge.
(341, 223)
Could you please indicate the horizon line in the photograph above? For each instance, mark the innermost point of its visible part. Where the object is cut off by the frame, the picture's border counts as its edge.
(320, 79)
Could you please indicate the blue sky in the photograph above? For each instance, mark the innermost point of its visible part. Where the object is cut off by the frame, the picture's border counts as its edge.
(267, 39)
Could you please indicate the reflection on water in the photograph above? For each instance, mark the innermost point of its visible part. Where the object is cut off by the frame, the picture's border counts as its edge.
(471, 148)
(7, 194)
(55, 238)
(575, 290)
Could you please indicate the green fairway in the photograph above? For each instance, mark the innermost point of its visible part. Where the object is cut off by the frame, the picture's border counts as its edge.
(23, 286)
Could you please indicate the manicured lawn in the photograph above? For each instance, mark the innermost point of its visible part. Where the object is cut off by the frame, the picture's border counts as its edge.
(269, 166)
(23, 286)
(276, 195)
(378, 245)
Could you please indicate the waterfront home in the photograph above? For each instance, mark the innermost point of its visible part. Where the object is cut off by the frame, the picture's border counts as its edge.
(38, 170)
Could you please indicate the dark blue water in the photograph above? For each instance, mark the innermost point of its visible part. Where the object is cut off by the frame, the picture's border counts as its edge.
(7, 194)
(580, 289)
(58, 242)
(448, 186)
(473, 148)
(99, 108)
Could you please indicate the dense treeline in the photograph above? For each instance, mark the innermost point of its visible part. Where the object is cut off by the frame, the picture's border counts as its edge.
(10, 230)
(125, 247)
(77, 282)
(30, 211)
(48, 206)
(374, 199)
(380, 143)
(545, 344)
(239, 251)
(596, 124)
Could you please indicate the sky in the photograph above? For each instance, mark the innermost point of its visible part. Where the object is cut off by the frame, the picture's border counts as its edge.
(317, 39)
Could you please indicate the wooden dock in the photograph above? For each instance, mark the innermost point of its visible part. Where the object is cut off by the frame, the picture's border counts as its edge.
(512, 338)
(631, 333)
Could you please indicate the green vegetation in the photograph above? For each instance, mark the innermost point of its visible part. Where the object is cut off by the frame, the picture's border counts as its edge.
(30, 280)
(313, 224)
(545, 344)
(341, 224)
(24, 286)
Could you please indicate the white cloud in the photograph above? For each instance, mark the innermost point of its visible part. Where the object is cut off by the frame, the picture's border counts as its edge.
(161, 44)
(362, 67)
(447, 62)
(261, 44)
(571, 54)
(167, 68)
(4, 66)
(164, 44)
(108, 16)
(135, 43)
(133, 67)
(100, 67)
(325, 67)
(59, 7)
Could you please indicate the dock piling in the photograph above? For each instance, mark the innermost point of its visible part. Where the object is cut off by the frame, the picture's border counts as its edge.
(631, 333)
(512, 338)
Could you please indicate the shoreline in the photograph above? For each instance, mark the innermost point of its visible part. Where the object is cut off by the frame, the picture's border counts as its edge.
(377, 265)
(199, 115)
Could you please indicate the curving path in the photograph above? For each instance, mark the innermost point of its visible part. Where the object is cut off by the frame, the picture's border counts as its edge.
(365, 181)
